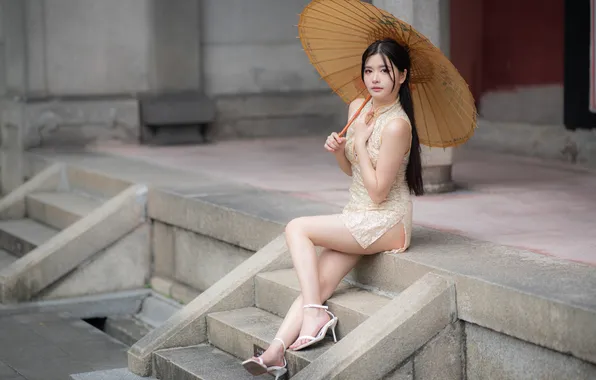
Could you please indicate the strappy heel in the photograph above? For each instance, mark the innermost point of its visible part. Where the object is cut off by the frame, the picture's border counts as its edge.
(256, 367)
(322, 332)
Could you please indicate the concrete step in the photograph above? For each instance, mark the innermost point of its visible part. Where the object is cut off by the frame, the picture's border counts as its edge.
(246, 332)
(60, 209)
(6, 259)
(20, 236)
(275, 291)
(203, 362)
(155, 310)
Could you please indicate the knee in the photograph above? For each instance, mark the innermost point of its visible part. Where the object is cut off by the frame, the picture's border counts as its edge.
(295, 227)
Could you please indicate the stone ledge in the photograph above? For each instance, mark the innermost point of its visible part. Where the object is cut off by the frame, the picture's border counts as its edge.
(172, 289)
(248, 219)
(501, 288)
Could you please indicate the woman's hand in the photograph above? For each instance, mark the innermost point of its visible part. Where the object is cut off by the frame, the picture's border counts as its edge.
(335, 144)
(362, 131)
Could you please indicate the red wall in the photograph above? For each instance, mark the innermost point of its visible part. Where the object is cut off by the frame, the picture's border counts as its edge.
(503, 44)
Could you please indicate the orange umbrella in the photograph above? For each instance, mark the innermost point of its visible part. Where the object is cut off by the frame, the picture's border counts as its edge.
(335, 33)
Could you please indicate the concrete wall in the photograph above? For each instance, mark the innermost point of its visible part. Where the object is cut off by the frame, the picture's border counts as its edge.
(2, 54)
(95, 48)
(14, 56)
(491, 355)
(251, 47)
(175, 61)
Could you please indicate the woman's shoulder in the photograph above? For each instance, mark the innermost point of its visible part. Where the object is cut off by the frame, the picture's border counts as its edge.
(354, 105)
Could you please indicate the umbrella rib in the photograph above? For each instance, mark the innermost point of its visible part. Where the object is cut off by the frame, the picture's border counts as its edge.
(358, 13)
(339, 71)
(331, 39)
(423, 116)
(371, 12)
(461, 113)
(441, 112)
(325, 21)
(335, 59)
(334, 31)
(363, 21)
(338, 48)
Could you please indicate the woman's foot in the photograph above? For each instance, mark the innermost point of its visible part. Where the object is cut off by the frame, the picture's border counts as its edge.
(273, 355)
(312, 321)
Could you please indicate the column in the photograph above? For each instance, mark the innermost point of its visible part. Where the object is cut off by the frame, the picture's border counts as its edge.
(431, 18)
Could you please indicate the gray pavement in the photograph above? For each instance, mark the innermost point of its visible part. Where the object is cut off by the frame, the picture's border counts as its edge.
(53, 347)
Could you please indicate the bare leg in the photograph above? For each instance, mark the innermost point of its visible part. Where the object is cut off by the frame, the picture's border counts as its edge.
(329, 231)
(333, 267)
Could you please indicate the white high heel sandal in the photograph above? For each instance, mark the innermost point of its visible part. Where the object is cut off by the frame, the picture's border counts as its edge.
(256, 366)
(322, 332)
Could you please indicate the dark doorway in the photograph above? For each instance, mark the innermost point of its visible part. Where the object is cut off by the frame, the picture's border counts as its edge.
(577, 65)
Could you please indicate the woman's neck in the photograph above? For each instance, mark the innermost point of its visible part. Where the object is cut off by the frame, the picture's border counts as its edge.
(381, 103)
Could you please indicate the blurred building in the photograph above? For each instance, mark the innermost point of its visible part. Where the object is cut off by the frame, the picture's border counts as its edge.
(150, 71)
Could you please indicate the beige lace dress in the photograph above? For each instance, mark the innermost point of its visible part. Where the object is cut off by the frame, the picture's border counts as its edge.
(366, 220)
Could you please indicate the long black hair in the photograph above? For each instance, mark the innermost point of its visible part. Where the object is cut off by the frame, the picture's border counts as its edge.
(400, 57)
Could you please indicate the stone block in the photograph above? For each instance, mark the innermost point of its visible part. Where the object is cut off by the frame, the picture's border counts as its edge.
(162, 246)
(492, 355)
(201, 261)
(514, 295)
(404, 372)
(12, 146)
(127, 261)
(390, 336)
(443, 357)
(93, 183)
(81, 122)
(208, 219)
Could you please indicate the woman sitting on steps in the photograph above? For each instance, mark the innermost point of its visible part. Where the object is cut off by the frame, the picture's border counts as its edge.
(382, 155)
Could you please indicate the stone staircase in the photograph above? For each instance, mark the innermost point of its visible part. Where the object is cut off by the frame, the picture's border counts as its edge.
(449, 308)
(64, 228)
(46, 214)
(238, 334)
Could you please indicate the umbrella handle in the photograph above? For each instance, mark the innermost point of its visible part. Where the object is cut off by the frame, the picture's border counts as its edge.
(354, 116)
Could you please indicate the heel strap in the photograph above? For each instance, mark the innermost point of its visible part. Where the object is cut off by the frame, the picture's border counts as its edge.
(282, 343)
(315, 306)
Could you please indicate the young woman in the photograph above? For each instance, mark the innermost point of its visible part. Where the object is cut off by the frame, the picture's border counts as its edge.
(382, 155)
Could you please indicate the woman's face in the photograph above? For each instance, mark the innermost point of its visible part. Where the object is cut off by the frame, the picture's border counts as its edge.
(378, 78)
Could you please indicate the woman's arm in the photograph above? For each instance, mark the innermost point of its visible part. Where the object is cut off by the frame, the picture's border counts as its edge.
(343, 162)
(340, 154)
(396, 142)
